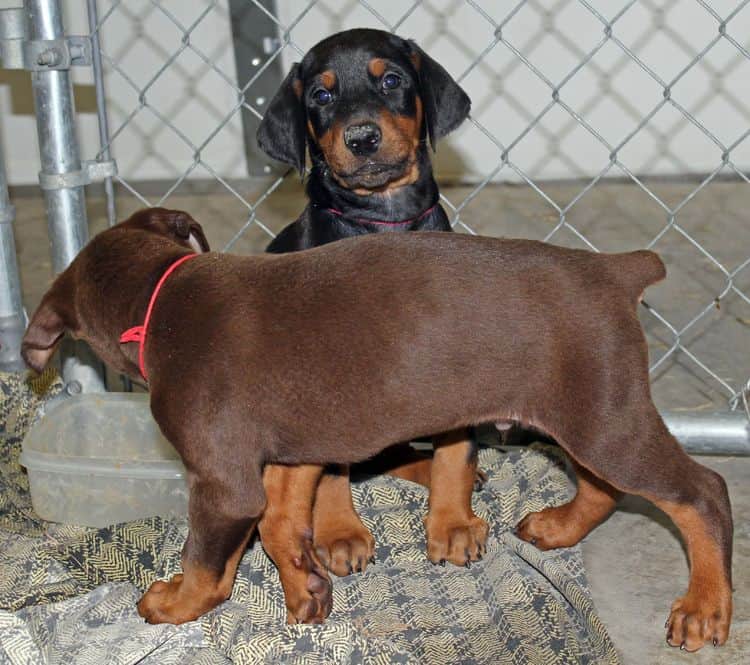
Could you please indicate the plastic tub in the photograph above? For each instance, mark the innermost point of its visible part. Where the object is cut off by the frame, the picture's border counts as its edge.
(99, 459)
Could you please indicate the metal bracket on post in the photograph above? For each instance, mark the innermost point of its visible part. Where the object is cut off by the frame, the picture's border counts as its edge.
(91, 171)
(63, 53)
(17, 51)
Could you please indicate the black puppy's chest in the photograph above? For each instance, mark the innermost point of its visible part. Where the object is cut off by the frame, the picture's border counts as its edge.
(319, 226)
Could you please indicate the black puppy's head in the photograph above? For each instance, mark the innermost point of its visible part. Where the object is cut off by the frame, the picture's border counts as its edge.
(365, 100)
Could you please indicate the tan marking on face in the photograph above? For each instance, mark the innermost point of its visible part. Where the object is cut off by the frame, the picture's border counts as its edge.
(410, 176)
(298, 88)
(416, 60)
(399, 145)
(376, 67)
(334, 150)
(328, 79)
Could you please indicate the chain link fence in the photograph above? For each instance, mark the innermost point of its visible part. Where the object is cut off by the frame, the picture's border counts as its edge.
(607, 125)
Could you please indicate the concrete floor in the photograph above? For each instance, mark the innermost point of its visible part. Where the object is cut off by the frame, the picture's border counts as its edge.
(635, 561)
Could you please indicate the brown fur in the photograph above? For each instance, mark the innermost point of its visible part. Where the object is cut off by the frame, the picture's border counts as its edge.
(323, 357)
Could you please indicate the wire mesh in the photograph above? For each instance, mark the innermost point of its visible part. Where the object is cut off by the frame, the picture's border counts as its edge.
(608, 60)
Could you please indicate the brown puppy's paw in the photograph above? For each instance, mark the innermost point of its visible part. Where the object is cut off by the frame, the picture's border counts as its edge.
(459, 542)
(312, 601)
(696, 620)
(164, 602)
(548, 529)
(345, 549)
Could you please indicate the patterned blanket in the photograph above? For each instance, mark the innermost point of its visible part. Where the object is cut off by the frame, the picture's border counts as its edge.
(68, 593)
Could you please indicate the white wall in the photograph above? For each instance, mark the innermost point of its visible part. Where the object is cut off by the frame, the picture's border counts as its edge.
(611, 93)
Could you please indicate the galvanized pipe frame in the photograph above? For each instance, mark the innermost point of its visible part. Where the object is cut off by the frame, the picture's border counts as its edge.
(12, 315)
(62, 177)
(58, 145)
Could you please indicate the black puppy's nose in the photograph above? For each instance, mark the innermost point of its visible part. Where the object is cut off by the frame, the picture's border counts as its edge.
(363, 139)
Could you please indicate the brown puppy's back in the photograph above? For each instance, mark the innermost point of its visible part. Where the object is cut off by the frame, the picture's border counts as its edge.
(344, 348)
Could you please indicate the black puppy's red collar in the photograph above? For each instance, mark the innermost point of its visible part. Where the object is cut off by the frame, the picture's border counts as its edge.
(379, 222)
(138, 333)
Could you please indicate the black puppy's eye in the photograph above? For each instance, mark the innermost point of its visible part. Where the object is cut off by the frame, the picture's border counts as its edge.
(322, 96)
(391, 81)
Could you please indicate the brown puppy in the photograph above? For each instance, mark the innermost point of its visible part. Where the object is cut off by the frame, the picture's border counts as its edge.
(324, 357)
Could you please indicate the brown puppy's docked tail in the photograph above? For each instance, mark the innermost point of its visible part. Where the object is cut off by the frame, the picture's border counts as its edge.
(638, 270)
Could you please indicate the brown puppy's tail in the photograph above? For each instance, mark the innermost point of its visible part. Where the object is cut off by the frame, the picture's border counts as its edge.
(638, 270)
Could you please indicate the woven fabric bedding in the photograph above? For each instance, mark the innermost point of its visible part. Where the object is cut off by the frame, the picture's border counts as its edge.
(68, 593)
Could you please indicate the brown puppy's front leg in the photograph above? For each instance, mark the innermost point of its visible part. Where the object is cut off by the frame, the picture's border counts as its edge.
(222, 518)
(343, 543)
(286, 534)
(454, 532)
(566, 525)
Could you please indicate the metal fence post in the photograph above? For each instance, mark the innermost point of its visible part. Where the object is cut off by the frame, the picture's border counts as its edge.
(256, 48)
(61, 163)
(12, 316)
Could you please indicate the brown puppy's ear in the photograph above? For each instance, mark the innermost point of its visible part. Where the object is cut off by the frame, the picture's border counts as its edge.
(186, 228)
(43, 334)
(446, 105)
(282, 133)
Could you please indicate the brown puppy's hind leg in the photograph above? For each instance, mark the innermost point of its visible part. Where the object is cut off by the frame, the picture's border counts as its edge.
(693, 496)
(221, 523)
(342, 542)
(567, 525)
(454, 532)
(704, 613)
(286, 534)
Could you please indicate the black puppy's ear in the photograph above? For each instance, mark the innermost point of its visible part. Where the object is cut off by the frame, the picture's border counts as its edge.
(186, 228)
(446, 105)
(43, 334)
(281, 133)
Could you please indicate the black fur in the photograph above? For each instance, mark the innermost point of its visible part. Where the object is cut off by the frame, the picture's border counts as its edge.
(359, 96)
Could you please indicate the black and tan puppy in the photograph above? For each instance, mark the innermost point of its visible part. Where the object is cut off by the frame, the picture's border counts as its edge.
(367, 105)
(364, 103)
(323, 357)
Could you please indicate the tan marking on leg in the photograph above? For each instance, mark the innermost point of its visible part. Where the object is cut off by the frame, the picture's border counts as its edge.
(342, 542)
(191, 593)
(566, 525)
(286, 534)
(704, 613)
(416, 470)
(454, 532)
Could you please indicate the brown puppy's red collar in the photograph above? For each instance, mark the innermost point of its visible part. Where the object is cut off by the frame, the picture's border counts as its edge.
(379, 222)
(138, 333)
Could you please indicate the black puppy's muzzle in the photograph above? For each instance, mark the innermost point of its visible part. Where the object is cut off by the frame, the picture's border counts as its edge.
(363, 140)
